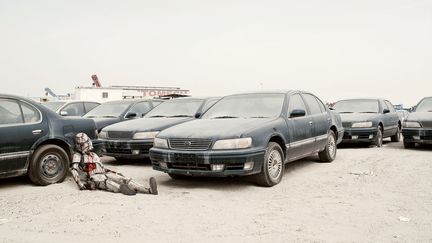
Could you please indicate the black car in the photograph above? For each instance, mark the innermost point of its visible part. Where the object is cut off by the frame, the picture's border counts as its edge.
(249, 134)
(116, 111)
(368, 120)
(71, 107)
(34, 140)
(417, 128)
(133, 139)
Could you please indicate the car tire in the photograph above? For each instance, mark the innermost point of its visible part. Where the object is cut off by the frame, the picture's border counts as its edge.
(409, 145)
(330, 150)
(48, 165)
(272, 167)
(179, 177)
(378, 140)
(397, 137)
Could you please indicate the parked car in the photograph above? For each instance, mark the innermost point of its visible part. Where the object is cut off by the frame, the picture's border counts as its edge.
(417, 128)
(369, 120)
(34, 140)
(249, 134)
(403, 114)
(133, 139)
(121, 110)
(71, 108)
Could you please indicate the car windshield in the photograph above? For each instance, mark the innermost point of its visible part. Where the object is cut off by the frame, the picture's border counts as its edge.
(53, 105)
(176, 108)
(425, 105)
(247, 106)
(110, 109)
(357, 106)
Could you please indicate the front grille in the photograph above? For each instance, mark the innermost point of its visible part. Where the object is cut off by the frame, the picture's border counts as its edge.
(427, 124)
(118, 151)
(189, 166)
(346, 124)
(120, 135)
(190, 143)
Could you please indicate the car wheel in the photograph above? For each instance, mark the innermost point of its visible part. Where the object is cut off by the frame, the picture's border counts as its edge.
(179, 177)
(330, 150)
(397, 136)
(378, 140)
(409, 145)
(273, 166)
(49, 164)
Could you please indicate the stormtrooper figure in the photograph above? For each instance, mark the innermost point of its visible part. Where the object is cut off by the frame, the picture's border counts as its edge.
(97, 176)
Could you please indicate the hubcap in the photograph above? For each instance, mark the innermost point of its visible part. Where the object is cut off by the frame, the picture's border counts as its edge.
(275, 164)
(51, 165)
(332, 146)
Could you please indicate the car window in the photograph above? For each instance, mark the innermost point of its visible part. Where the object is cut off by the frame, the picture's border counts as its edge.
(74, 109)
(390, 106)
(140, 109)
(296, 103)
(31, 115)
(10, 112)
(321, 105)
(90, 106)
(209, 104)
(312, 103)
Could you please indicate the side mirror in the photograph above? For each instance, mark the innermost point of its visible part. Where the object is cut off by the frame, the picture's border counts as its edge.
(131, 115)
(297, 113)
(198, 115)
(64, 113)
(385, 111)
(412, 109)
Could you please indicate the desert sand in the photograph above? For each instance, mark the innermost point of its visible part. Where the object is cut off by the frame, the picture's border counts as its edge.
(365, 195)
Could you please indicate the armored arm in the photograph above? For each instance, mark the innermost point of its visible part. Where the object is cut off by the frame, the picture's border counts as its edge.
(74, 170)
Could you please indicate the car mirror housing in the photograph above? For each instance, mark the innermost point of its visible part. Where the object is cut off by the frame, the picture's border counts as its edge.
(130, 115)
(198, 115)
(385, 111)
(297, 113)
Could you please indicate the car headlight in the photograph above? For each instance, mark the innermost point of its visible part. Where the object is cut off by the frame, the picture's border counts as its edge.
(412, 124)
(103, 135)
(238, 143)
(160, 143)
(362, 124)
(145, 135)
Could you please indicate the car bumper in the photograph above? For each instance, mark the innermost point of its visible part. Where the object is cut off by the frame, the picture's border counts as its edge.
(352, 135)
(131, 149)
(417, 135)
(199, 163)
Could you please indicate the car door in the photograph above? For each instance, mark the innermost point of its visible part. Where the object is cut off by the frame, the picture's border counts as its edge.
(392, 119)
(299, 128)
(73, 109)
(321, 119)
(21, 125)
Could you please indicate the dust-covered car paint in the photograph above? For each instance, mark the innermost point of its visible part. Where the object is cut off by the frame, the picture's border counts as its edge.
(417, 127)
(225, 144)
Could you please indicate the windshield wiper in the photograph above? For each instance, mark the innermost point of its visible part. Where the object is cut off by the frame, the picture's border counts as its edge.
(180, 116)
(259, 117)
(156, 116)
(368, 112)
(224, 117)
(346, 112)
(101, 117)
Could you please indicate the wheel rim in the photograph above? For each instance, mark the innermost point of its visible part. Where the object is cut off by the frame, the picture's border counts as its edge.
(51, 165)
(275, 164)
(331, 146)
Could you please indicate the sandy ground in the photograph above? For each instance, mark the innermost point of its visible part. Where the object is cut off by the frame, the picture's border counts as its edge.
(365, 195)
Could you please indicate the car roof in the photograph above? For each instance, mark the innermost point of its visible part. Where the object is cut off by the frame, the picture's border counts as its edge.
(270, 92)
(71, 101)
(362, 99)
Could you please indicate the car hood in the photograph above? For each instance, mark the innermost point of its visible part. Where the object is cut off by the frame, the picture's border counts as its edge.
(420, 116)
(103, 122)
(146, 124)
(358, 117)
(214, 128)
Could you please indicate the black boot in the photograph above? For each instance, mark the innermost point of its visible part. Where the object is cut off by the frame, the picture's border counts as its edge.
(153, 186)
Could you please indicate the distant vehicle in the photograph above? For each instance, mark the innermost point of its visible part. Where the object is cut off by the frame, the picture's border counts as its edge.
(369, 120)
(116, 111)
(417, 128)
(403, 114)
(71, 108)
(133, 139)
(249, 134)
(34, 140)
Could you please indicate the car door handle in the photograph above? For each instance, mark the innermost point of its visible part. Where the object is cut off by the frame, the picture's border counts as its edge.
(311, 123)
(35, 132)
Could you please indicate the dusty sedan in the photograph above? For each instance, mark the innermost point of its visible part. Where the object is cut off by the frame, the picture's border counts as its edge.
(34, 140)
(417, 128)
(133, 139)
(249, 134)
(368, 120)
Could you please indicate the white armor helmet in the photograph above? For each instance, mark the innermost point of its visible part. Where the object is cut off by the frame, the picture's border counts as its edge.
(83, 143)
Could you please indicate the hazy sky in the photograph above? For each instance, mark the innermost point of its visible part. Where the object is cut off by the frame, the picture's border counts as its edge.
(335, 49)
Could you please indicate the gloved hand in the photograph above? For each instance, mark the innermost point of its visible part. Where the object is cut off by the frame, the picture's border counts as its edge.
(82, 186)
